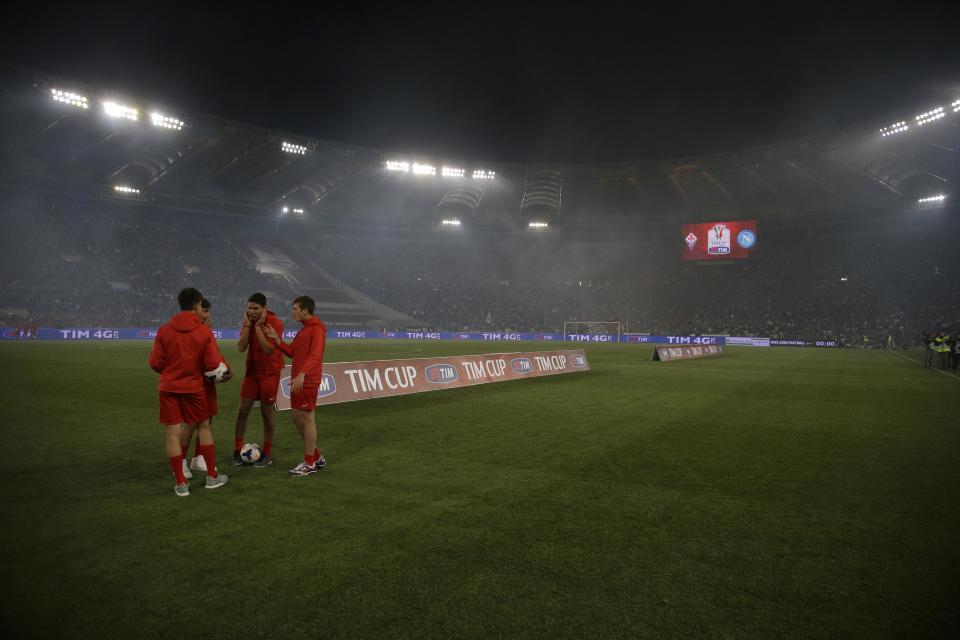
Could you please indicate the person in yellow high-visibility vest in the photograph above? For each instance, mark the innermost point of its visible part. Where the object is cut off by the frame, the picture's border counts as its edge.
(940, 346)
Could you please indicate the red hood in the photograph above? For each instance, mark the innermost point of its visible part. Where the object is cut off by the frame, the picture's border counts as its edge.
(185, 321)
(314, 320)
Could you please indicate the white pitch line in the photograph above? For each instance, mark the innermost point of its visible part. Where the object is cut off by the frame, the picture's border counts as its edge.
(946, 373)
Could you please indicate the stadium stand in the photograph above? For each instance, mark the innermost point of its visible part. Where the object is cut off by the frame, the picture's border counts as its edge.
(844, 250)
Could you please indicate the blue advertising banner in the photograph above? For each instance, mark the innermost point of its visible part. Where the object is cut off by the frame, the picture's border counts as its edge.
(747, 341)
(678, 340)
(100, 333)
(803, 343)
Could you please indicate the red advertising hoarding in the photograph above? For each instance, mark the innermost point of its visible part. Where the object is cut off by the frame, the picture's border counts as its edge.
(349, 381)
(719, 240)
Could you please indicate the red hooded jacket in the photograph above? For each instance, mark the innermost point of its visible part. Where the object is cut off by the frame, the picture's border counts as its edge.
(306, 350)
(183, 350)
(259, 364)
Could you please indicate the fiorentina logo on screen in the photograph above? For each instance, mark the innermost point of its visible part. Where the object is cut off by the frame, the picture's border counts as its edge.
(718, 240)
(691, 241)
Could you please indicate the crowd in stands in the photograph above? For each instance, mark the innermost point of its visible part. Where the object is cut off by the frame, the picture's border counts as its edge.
(69, 264)
(807, 287)
(81, 264)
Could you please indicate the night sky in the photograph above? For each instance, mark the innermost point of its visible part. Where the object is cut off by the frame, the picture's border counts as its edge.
(553, 85)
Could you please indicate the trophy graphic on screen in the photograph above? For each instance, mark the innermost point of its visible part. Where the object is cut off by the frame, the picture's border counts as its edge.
(718, 240)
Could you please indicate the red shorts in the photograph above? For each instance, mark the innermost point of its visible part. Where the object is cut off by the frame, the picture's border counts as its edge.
(306, 400)
(262, 389)
(211, 391)
(177, 408)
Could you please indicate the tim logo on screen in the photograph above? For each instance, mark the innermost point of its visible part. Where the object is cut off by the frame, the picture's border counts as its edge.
(328, 386)
(578, 361)
(441, 373)
(521, 365)
(718, 240)
(146, 334)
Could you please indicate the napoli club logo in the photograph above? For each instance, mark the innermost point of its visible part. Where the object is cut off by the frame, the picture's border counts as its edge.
(746, 239)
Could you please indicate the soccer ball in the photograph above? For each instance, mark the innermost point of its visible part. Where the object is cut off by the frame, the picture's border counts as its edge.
(250, 453)
(218, 374)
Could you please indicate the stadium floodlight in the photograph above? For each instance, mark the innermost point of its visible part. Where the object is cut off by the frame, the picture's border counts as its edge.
(165, 122)
(120, 188)
(896, 127)
(481, 174)
(843, 278)
(298, 149)
(299, 212)
(116, 110)
(956, 105)
(424, 170)
(451, 172)
(451, 222)
(929, 116)
(71, 98)
(538, 225)
(937, 198)
(397, 165)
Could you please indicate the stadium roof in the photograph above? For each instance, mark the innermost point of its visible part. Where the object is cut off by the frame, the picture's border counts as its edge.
(59, 135)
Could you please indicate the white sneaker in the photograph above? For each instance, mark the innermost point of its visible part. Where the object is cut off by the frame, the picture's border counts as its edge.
(302, 469)
(186, 471)
(219, 481)
(198, 464)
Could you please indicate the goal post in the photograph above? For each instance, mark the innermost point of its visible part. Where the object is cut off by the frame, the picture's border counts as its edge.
(592, 331)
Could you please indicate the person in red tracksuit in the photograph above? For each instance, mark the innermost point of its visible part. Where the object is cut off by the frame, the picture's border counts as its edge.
(182, 351)
(306, 350)
(210, 388)
(262, 378)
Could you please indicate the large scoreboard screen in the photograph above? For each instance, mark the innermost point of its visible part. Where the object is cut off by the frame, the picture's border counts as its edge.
(719, 240)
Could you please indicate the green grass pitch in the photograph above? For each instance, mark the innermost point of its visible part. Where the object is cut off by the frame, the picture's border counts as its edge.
(791, 493)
